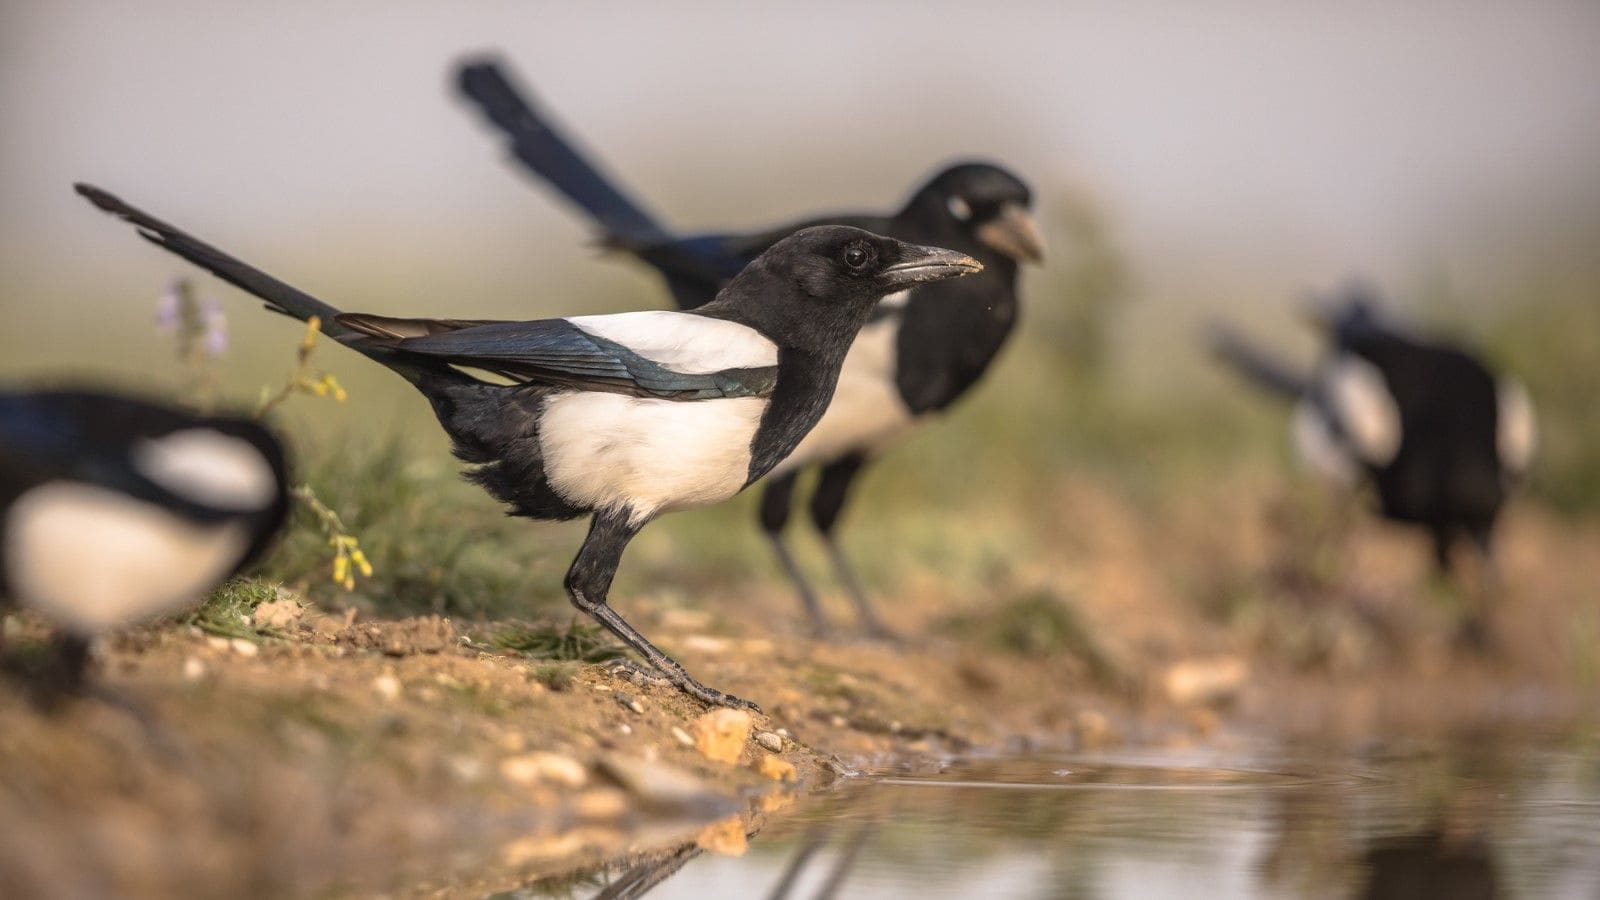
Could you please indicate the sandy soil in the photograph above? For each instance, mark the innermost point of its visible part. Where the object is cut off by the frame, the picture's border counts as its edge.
(408, 757)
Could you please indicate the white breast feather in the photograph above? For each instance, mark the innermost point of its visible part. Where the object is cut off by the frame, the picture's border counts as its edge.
(610, 451)
(1365, 410)
(683, 342)
(866, 411)
(1518, 431)
(92, 559)
(209, 468)
(1317, 449)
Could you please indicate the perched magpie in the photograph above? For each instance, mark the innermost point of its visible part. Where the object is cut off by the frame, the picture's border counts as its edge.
(114, 510)
(921, 351)
(625, 416)
(1439, 438)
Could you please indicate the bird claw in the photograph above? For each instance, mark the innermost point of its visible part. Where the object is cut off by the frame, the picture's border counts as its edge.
(636, 673)
(714, 697)
(641, 674)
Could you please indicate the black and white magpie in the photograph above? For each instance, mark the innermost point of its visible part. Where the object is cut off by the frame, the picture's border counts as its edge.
(631, 415)
(115, 510)
(921, 351)
(1440, 439)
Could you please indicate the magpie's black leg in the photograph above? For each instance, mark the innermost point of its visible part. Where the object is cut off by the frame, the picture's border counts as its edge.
(775, 497)
(71, 664)
(1474, 631)
(588, 581)
(791, 873)
(853, 846)
(833, 488)
(62, 675)
(1443, 540)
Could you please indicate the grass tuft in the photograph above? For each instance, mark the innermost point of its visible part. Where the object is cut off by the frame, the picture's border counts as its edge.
(1038, 624)
(574, 642)
(227, 611)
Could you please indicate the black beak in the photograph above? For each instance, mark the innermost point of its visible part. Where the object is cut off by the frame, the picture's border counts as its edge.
(919, 265)
(1014, 233)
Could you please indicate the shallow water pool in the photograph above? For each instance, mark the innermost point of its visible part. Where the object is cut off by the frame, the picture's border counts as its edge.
(1474, 818)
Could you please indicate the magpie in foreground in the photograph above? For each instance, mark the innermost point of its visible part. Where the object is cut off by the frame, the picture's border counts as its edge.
(920, 352)
(115, 510)
(630, 415)
(1439, 438)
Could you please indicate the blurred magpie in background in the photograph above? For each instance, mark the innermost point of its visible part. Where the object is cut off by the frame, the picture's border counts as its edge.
(115, 510)
(920, 353)
(631, 415)
(1440, 439)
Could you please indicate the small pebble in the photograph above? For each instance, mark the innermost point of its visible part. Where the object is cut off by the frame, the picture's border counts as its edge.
(630, 702)
(682, 737)
(770, 741)
(193, 669)
(245, 648)
(838, 721)
(625, 728)
(387, 686)
(782, 732)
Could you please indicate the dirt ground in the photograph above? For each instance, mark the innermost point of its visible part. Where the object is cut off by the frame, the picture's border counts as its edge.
(414, 758)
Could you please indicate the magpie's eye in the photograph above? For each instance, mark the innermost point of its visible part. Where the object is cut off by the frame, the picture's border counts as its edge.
(856, 257)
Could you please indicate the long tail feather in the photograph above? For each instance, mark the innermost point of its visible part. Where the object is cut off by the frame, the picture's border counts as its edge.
(280, 297)
(1259, 366)
(545, 152)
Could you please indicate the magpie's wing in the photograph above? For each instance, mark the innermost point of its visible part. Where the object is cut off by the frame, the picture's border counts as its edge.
(542, 149)
(87, 437)
(560, 352)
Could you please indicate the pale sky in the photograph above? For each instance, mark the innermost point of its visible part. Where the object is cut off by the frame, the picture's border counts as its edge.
(1242, 151)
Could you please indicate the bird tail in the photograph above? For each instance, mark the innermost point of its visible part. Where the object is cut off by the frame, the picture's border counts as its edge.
(1257, 365)
(280, 297)
(546, 153)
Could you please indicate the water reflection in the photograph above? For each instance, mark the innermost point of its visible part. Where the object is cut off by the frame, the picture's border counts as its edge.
(1472, 820)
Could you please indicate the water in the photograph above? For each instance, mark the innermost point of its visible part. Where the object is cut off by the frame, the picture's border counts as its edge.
(1472, 819)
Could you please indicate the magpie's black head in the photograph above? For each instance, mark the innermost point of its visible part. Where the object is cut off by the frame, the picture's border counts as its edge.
(986, 203)
(1349, 315)
(816, 287)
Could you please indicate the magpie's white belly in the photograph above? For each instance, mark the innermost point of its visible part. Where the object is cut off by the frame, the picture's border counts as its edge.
(1319, 450)
(866, 411)
(610, 451)
(93, 559)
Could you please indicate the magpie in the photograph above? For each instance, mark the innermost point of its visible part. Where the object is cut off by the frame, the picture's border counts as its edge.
(1439, 438)
(624, 416)
(921, 351)
(115, 509)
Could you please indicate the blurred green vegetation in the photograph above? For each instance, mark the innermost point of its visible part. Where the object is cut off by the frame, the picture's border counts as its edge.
(1549, 337)
(1057, 405)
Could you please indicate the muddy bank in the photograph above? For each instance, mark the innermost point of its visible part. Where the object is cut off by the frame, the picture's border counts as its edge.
(324, 752)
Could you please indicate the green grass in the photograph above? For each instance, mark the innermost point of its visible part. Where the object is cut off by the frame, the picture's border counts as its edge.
(574, 642)
(1038, 624)
(227, 611)
(436, 543)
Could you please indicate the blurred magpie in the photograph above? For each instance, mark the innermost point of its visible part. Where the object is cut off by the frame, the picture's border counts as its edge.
(630, 415)
(1440, 439)
(114, 510)
(920, 352)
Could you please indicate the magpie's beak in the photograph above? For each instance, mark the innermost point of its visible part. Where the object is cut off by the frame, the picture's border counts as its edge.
(919, 265)
(1014, 233)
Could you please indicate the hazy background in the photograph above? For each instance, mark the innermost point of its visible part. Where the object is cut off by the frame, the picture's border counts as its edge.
(1233, 154)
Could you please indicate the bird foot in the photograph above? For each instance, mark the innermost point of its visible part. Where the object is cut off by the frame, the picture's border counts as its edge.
(714, 697)
(641, 675)
(637, 673)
